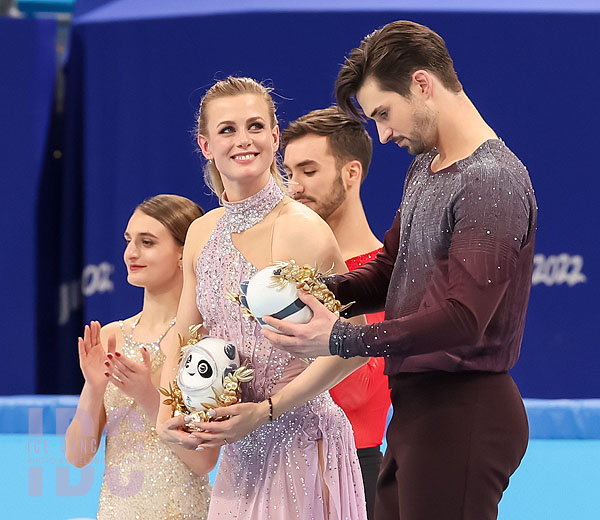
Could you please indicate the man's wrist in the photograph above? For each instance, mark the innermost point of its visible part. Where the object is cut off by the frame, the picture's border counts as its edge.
(336, 339)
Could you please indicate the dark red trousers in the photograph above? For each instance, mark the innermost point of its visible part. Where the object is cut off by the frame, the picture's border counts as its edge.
(453, 442)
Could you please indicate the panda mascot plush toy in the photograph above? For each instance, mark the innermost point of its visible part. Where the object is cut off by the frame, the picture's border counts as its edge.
(203, 369)
(209, 376)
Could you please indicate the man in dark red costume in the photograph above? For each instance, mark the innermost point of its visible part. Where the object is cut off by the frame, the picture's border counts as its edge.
(454, 277)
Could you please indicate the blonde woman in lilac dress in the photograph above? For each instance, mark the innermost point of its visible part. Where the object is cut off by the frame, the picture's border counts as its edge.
(288, 449)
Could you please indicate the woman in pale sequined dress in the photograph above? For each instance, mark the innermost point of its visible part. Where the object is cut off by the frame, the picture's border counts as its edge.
(121, 363)
(288, 448)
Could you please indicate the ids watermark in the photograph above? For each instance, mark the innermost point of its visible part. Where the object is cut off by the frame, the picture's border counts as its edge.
(76, 462)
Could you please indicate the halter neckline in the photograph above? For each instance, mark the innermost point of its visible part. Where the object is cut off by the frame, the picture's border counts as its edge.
(244, 214)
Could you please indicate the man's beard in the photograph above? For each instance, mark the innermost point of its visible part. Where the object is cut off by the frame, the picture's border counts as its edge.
(425, 121)
(333, 200)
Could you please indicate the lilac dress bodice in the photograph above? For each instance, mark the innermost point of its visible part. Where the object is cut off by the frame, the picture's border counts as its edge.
(274, 472)
(221, 267)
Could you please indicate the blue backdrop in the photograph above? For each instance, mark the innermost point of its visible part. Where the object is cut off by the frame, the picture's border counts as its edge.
(138, 69)
(27, 69)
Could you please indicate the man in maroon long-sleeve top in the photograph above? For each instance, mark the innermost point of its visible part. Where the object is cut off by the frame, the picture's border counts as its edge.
(454, 278)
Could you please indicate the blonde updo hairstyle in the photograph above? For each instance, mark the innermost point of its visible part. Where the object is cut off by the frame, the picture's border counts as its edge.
(235, 86)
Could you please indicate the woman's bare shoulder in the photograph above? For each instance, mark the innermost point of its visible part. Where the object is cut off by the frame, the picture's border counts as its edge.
(302, 235)
(200, 230)
(206, 221)
(301, 216)
(112, 327)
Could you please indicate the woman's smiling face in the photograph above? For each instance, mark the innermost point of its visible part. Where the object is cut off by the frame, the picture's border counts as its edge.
(239, 137)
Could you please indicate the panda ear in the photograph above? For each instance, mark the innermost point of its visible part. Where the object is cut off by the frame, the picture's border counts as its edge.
(230, 351)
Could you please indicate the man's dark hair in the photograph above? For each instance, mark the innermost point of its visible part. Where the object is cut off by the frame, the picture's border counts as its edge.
(390, 55)
(347, 138)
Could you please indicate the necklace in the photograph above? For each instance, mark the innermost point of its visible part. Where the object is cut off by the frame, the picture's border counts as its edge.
(130, 339)
(132, 348)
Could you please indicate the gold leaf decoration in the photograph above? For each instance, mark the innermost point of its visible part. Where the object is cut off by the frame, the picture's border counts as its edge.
(235, 298)
(307, 278)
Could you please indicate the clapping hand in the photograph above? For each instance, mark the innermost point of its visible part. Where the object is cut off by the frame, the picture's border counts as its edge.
(92, 357)
(134, 379)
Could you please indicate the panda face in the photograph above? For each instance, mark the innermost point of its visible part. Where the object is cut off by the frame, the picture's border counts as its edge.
(198, 370)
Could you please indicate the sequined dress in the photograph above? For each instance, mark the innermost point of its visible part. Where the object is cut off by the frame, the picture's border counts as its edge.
(274, 472)
(143, 478)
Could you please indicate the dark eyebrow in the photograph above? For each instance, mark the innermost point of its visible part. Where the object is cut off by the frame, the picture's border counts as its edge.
(308, 162)
(374, 113)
